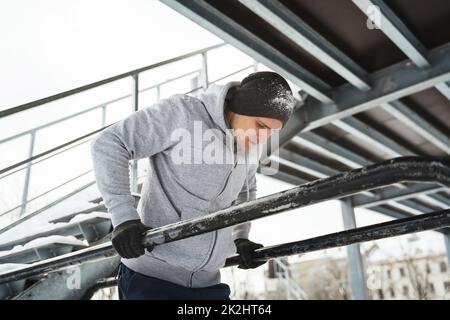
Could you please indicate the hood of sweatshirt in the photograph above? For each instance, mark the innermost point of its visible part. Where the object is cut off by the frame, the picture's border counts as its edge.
(214, 101)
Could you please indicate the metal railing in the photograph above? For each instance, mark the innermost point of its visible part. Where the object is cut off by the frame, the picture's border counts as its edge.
(292, 288)
(26, 164)
(403, 169)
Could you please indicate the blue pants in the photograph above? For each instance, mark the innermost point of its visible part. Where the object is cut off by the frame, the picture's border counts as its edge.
(135, 286)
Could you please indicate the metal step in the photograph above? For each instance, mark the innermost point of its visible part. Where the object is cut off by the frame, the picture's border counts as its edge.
(94, 227)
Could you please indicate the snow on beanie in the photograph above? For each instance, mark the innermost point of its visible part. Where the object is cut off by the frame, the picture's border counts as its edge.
(262, 94)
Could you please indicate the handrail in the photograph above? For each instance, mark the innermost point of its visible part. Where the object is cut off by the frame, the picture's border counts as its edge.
(20, 163)
(48, 206)
(98, 106)
(402, 169)
(33, 104)
(49, 157)
(27, 163)
(47, 191)
(40, 155)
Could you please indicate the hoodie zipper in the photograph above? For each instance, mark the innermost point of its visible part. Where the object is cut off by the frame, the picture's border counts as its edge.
(216, 231)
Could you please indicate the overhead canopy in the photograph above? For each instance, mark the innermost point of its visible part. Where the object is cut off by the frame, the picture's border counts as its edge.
(375, 88)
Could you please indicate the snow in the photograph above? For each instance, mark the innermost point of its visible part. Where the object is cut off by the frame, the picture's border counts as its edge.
(284, 100)
(76, 203)
(51, 226)
(87, 216)
(9, 266)
(40, 242)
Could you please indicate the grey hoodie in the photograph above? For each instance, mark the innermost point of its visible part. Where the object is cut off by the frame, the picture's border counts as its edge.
(172, 191)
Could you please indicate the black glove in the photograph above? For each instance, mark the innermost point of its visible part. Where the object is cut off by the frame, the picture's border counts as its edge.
(127, 239)
(245, 248)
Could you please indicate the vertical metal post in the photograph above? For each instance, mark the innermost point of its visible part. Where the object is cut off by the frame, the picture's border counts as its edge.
(104, 115)
(26, 184)
(135, 105)
(255, 65)
(447, 245)
(158, 93)
(204, 75)
(355, 263)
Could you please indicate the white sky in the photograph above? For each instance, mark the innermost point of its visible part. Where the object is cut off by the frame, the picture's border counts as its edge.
(49, 46)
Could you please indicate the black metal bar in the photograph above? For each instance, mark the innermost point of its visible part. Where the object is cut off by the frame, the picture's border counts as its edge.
(64, 94)
(423, 222)
(403, 169)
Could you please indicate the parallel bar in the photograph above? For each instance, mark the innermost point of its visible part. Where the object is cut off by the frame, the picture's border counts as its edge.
(355, 262)
(291, 26)
(424, 222)
(204, 14)
(419, 169)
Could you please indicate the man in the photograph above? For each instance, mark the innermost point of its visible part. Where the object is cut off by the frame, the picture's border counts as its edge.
(237, 118)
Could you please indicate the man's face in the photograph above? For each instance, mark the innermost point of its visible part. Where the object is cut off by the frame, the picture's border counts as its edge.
(250, 131)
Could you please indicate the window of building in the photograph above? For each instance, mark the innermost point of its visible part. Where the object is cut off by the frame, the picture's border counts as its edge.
(405, 290)
(388, 273)
(380, 294)
(443, 266)
(428, 269)
(402, 272)
(392, 292)
(431, 287)
(447, 285)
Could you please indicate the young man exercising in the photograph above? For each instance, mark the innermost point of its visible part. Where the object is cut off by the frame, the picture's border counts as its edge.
(189, 176)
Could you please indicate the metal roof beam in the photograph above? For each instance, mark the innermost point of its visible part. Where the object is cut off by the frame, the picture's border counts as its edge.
(330, 149)
(400, 35)
(205, 15)
(386, 195)
(366, 133)
(317, 169)
(389, 84)
(417, 123)
(290, 25)
(339, 153)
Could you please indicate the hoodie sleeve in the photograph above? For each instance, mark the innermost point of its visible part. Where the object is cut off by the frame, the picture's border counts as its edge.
(142, 134)
(242, 230)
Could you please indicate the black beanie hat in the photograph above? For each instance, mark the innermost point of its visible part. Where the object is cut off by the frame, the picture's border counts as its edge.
(262, 94)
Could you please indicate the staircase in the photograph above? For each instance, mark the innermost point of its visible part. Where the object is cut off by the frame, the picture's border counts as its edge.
(68, 233)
